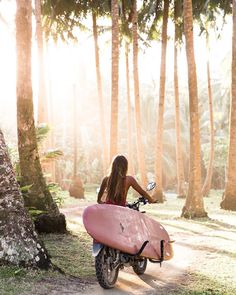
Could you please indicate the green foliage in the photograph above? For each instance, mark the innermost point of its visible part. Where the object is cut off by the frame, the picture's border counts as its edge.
(42, 131)
(149, 19)
(25, 189)
(35, 212)
(62, 18)
(57, 193)
(52, 154)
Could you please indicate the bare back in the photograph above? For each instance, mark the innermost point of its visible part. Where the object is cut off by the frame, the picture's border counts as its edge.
(129, 182)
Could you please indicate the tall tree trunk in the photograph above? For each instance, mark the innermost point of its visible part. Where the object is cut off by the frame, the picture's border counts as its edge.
(19, 242)
(114, 79)
(42, 98)
(76, 187)
(179, 158)
(75, 133)
(158, 194)
(31, 171)
(51, 119)
(229, 197)
(100, 94)
(140, 148)
(129, 111)
(194, 206)
(207, 184)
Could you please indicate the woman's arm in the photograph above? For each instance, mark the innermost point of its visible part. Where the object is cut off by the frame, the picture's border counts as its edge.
(141, 191)
(102, 189)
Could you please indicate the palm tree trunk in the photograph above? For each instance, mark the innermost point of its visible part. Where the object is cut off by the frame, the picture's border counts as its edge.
(75, 135)
(39, 196)
(19, 242)
(42, 98)
(194, 206)
(100, 94)
(158, 194)
(179, 158)
(229, 197)
(140, 149)
(129, 111)
(114, 79)
(207, 184)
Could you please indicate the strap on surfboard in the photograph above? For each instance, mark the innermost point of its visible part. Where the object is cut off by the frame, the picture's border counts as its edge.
(162, 254)
(141, 249)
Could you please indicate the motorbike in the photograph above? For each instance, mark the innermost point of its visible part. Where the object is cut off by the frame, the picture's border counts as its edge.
(108, 260)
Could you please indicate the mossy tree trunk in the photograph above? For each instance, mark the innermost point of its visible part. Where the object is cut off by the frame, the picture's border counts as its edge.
(194, 206)
(158, 193)
(39, 196)
(229, 196)
(19, 243)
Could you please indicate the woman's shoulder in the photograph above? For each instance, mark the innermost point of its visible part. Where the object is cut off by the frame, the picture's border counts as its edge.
(130, 178)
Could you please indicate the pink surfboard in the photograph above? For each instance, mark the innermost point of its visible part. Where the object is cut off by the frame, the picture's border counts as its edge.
(126, 229)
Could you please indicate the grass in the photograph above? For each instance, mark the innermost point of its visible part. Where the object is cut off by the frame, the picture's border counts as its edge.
(212, 240)
(71, 253)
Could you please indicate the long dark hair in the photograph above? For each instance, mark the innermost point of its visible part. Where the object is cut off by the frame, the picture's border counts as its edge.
(116, 179)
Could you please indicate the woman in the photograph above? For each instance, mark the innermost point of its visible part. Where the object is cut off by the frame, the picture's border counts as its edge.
(117, 184)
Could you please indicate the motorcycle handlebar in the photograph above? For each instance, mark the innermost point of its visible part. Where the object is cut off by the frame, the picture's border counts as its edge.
(135, 204)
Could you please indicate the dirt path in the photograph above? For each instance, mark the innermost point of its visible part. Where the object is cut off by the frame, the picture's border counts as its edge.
(164, 280)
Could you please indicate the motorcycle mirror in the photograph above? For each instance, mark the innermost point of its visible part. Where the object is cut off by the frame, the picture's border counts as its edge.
(151, 186)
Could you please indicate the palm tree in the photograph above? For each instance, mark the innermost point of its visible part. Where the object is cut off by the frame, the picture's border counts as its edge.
(31, 172)
(100, 93)
(19, 242)
(194, 206)
(158, 194)
(129, 111)
(114, 78)
(229, 196)
(140, 149)
(42, 99)
(207, 184)
(179, 159)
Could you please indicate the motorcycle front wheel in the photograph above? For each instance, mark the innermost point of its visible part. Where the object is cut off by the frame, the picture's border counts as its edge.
(140, 266)
(105, 273)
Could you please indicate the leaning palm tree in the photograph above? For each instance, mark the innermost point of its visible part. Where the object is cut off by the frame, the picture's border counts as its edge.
(229, 196)
(194, 206)
(39, 196)
(114, 78)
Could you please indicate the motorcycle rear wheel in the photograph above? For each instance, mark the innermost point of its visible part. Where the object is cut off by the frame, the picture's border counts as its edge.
(140, 266)
(106, 275)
